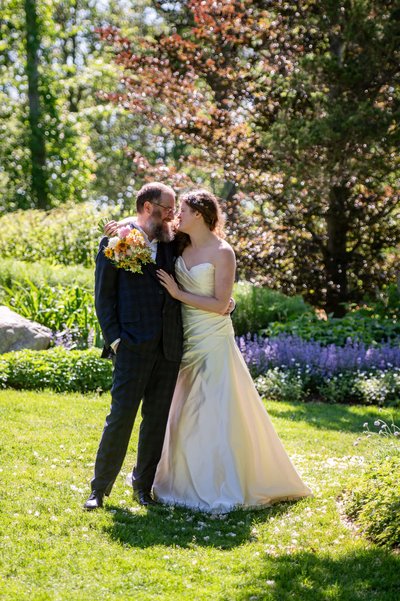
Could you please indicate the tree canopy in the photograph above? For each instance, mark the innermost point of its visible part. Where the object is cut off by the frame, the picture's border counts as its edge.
(295, 106)
(61, 139)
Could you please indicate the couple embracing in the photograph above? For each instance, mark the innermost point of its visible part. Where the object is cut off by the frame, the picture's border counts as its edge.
(206, 441)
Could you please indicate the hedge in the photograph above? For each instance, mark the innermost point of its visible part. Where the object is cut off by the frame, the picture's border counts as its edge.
(58, 369)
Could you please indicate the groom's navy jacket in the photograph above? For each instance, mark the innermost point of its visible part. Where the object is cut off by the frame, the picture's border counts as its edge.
(135, 307)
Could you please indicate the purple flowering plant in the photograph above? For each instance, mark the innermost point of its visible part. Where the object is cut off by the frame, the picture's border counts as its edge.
(290, 368)
(292, 352)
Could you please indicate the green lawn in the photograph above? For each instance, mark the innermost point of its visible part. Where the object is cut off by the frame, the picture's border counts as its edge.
(52, 549)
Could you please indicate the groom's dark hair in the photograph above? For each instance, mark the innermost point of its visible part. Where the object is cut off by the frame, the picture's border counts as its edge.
(150, 192)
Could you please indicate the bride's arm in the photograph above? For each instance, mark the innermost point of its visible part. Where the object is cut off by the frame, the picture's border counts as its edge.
(225, 266)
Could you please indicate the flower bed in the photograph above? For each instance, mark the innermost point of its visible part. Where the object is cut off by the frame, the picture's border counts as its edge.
(290, 352)
(285, 369)
(289, 368)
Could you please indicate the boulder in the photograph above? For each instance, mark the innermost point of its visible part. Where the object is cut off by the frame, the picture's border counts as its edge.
(17, 333)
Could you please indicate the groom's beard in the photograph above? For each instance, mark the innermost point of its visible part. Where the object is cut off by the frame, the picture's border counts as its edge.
(162, 231)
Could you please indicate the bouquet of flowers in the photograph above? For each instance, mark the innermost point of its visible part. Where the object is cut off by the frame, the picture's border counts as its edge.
(128, 250)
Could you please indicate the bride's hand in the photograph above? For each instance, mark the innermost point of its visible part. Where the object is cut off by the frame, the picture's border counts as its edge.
(111, 228)
(169, 283)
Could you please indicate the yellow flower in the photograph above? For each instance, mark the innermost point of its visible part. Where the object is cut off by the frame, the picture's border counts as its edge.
(121, 246)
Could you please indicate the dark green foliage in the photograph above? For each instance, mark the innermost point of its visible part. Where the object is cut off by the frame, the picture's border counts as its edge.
(336, 330)
(375, 321)
(373, 500)
(257, 307)
(385, 305)
(58, 369)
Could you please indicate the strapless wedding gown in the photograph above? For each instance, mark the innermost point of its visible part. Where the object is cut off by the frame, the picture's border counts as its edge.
(220, 451)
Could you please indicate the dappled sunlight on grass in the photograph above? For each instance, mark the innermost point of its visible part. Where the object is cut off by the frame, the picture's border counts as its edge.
(52, 549)
(343, 418)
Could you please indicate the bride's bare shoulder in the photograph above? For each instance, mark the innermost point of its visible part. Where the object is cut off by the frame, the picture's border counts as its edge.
(225, 247)
(225, 252)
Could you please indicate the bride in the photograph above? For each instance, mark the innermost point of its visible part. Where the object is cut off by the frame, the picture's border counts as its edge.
(221, 451)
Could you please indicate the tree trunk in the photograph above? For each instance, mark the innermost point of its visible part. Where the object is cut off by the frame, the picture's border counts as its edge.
(37, 138)
(336, 257)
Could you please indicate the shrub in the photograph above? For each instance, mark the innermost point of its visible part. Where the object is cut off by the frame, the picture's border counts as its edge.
(256, 307)
(339, 330)
(60, 309)
(66, 235)
(296, 384)
(373, 387)
(58, 369)
(372, 499)
(40, 273)
(356, 326)
(339, 388)
(385, 304)
(381, 387)
(280, 385)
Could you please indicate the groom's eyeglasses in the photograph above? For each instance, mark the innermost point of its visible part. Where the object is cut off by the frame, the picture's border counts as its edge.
(168, 209)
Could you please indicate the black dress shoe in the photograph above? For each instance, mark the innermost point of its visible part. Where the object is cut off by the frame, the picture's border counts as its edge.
(95, 501)
(143, 497)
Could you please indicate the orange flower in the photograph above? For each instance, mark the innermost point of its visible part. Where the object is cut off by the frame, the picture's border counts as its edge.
(121, 246)
(135, 238)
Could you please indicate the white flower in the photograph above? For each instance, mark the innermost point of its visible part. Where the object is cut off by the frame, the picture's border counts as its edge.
(112, 243)
(377, 423)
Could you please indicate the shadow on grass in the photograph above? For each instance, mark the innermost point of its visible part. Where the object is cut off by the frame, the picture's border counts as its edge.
(324, 416)
(371, 574)
(177, 526)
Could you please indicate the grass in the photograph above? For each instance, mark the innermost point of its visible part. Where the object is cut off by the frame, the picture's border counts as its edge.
(52, 550)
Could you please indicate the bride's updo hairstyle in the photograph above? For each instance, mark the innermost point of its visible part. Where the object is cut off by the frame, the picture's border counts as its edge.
(205, 203)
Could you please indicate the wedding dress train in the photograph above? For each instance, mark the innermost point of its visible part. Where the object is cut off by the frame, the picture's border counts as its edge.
(221, 450)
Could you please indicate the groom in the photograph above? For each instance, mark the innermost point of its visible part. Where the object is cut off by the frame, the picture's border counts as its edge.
(141, 325)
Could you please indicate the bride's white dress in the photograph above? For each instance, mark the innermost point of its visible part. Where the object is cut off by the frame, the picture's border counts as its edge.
(221, 450)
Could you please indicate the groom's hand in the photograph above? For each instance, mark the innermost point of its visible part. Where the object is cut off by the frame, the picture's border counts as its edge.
(231, 307)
